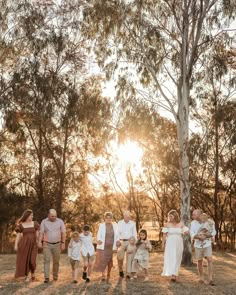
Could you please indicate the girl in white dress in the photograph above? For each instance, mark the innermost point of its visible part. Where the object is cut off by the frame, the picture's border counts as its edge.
(141, 257)
(172, 243)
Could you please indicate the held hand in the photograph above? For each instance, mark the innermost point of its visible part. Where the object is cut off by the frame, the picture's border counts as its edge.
(40, 245)
(118, 244)
(62, 246)
(99, 242)
(16, 248)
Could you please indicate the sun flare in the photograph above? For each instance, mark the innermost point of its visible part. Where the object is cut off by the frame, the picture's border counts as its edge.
(130, 153)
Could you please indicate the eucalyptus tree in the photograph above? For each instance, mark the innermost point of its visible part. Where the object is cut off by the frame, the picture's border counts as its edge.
(54, 105)
(157, 44)
(215, 146)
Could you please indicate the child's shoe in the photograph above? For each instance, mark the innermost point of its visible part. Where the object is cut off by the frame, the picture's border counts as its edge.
(84, 276)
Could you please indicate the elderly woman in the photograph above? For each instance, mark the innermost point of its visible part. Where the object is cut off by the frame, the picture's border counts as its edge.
(107, 238)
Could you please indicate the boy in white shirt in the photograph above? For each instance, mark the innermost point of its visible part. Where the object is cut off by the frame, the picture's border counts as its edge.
(87, 251)
(74, 254)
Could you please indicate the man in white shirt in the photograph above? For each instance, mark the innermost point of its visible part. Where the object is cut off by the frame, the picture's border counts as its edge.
(126, 230)
(202, 249)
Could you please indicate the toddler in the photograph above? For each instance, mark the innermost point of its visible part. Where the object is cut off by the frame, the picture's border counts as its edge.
(130, 265)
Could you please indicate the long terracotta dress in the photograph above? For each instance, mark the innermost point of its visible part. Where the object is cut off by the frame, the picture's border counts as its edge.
(105, 257)
(27, 250)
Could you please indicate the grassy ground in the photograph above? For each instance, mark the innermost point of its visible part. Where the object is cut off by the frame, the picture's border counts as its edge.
(224, 277)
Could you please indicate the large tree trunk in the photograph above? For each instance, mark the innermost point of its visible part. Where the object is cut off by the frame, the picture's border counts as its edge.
(183, 141)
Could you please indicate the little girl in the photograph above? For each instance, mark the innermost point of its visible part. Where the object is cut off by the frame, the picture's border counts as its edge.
(130, 265)
(141, 256)
(74, 254)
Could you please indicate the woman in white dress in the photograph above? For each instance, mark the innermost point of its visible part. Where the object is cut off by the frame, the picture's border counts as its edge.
(172, 243)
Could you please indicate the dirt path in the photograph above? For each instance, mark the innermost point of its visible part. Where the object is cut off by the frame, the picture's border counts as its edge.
(224, 269)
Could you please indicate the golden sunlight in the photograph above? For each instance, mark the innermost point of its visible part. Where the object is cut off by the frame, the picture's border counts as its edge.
(130, 153)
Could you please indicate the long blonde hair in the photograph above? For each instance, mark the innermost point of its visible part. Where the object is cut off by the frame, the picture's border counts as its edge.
(175, 214)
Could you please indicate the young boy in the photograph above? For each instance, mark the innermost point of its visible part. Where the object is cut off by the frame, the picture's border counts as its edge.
(87, 251)
(74, 254)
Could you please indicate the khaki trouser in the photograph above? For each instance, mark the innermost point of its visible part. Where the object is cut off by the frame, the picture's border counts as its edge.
(75, 268)
(54, 250)
(130, 263)
(121, 254)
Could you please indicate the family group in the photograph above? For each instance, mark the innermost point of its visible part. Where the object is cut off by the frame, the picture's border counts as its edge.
(112, 237)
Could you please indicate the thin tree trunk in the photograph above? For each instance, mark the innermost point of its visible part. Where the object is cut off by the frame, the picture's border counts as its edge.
(216, 188)
(40, 189)
(62, 175)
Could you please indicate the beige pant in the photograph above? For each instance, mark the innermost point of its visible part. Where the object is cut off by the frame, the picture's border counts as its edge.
(200, 253)
(54, 251)
(130, 264)
(121, 254)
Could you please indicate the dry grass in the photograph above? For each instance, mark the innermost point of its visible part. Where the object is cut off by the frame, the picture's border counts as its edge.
(224, 274)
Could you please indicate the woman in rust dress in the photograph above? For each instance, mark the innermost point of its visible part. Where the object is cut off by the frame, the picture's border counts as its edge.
(26, 246)
(107, 238)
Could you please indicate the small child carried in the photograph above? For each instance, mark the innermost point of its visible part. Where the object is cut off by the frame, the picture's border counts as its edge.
(207, 228)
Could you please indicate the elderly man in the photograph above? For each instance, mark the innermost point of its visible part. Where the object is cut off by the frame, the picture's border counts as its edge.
(126, 230)
(52, 235)
(202, 249)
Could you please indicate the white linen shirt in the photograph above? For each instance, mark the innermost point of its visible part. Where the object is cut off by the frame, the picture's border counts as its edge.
(194, 230)
(74, 250)
(87, 244)
(126, 230)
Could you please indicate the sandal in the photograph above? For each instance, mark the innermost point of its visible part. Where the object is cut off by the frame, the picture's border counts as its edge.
(173, 279)
(27, 279)
(211, 283)
(32, 277)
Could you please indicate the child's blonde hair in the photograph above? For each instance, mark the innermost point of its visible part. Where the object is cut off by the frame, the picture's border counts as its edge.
(132, 238)
(75, 235)
(207, 219)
